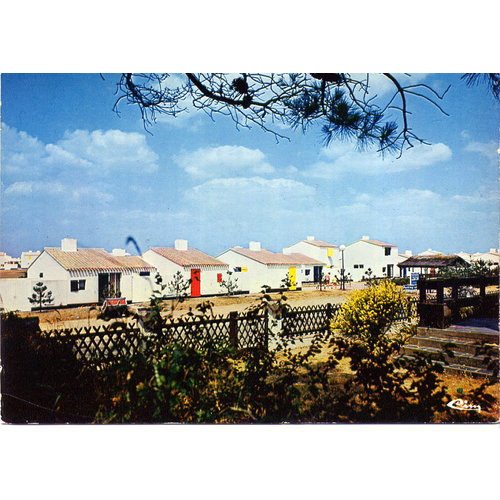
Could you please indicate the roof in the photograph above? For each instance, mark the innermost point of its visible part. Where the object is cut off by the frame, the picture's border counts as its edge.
(318, 243)
(96, 259)
(433, 261)
(189, 257)
(13, 273)
(379, 243)
(270, 258)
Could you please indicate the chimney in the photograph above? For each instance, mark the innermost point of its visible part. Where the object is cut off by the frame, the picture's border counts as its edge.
(119, 252)
(181, 244)
(68, 245)
(493, 250)
(310, 238)
(287, 251)
(255, 245)
(408, 253)
(365, 238)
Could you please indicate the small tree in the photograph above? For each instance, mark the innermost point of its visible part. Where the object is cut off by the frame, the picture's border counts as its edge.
(369, 277)
(179, 286)
(229, 284)
(342, 278)
(475, 269)
(41, 297)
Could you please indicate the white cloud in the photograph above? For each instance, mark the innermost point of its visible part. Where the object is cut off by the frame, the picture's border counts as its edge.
(487, 149)
(31, 187)
(382, 86)
(250, 193)
(219, 161)
(342, 158)
(417, 216)
(26, 158)
(108, 150)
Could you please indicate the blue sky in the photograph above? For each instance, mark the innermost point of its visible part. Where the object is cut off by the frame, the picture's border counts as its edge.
(71, 167)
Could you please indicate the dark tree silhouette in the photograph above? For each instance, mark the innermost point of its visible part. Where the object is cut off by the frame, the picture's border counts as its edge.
(343, 105)
(40, 296)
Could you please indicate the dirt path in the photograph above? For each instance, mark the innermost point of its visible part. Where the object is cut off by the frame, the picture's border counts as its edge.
(87, 316)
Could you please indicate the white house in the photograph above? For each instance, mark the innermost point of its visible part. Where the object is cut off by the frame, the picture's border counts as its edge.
(27, 258)
(429, 252)
(382, 258)
(256, 267)
(493, 256)
(326, 253)
(87, 275)
(204, 271)
(8, 262)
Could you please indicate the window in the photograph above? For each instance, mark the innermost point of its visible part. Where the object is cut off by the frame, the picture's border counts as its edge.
(144, 273)
(41, 275)
(237, 269)
(359, 266)
(77, 285)
(383, 269)
(356, 266)
(308, 272)
(388, 250)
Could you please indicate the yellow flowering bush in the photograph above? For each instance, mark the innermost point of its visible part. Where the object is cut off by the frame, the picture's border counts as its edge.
(369, 313)
(384, 387)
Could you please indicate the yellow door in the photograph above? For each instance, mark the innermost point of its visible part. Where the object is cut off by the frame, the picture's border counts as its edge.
(292, 276)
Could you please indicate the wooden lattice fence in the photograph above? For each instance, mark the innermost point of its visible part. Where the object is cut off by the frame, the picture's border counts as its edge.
(307, 320)
(98, 344)
(101, 343)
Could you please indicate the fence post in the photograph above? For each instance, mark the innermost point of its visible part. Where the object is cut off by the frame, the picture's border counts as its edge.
(266, 330)
(329, 310)
(233, 329)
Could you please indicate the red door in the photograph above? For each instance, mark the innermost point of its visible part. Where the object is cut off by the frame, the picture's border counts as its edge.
(195, 282)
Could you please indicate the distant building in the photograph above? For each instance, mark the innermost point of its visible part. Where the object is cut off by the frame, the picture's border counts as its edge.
(430, 251)
(256, 267)
(493, 256)
(326, 253)
(429, 265)
(27, 258)
(8, 262)
(204, 271)
(381, 258)
(3, 258)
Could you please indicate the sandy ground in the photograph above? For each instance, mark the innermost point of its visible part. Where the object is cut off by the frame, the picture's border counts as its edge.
(87, 316)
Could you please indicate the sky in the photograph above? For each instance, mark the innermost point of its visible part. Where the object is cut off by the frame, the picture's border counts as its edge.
(72, 167)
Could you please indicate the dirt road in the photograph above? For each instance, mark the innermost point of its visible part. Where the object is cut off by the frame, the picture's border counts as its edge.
(87, 316)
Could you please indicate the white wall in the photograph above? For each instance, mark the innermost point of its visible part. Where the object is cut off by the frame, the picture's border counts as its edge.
(332, 264)
(27, 258)
(47, 265)
(137, 288)
(370, 256)
(168, 269)
(258, 274)
(15, 292)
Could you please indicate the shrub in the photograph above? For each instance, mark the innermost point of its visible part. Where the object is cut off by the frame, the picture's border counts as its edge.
(385, 386)
(42, 381)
